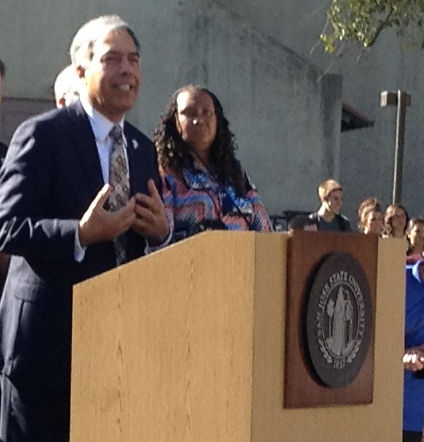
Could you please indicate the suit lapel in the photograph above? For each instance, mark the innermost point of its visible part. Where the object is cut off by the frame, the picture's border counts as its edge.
(86, 148)
(139, 170)
(140, 167)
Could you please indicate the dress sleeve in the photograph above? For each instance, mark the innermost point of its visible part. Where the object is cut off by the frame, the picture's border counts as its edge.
(260, 221)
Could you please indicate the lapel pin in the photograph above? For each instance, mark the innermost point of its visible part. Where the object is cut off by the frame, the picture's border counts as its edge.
(135, 144)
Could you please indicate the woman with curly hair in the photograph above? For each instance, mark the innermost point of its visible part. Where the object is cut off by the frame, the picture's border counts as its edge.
(370, 217)
(204, 184)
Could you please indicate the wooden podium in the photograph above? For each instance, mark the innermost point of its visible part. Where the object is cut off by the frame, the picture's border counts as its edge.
(188, 345)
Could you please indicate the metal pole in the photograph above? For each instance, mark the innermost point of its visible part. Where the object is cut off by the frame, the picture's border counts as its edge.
(402, 102)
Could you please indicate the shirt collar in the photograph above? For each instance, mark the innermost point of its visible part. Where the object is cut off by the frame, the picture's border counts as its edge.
(196, 178)
(99, 123)
(415, 271)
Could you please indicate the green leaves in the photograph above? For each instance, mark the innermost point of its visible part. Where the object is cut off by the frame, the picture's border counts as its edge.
(362, 21)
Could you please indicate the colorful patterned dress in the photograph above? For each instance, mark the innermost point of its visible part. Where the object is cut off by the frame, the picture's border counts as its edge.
(196, 201)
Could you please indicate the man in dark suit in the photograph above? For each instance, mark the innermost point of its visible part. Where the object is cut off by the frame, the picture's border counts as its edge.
(58, 222)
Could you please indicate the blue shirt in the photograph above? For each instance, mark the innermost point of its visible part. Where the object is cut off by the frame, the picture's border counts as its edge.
(413, 392)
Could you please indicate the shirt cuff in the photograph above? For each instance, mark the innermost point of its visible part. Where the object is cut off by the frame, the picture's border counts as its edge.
(149, 249)
(79, 251)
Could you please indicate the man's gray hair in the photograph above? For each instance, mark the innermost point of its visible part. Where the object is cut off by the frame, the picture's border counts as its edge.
(81, 50)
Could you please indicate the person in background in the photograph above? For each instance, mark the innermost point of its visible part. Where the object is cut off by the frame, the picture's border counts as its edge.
(413, 359)
(205, 186)
(328, 218)
(302, 222)
(66, 86)
(370, 217)
(395, 221)
(79, 195)
(415, 238)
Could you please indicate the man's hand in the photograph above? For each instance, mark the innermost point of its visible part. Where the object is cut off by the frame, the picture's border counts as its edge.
(413, 359)
(97, 224)
(151, 221)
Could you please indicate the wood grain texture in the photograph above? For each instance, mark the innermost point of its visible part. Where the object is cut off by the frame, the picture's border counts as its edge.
(188, 344)
(162, 347)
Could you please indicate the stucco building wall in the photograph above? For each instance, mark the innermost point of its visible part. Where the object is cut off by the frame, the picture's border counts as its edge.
(284, 110)
(366, 155)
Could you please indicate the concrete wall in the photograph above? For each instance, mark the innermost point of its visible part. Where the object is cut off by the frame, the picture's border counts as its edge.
(285, 115)
(366, 155)
(284, 111)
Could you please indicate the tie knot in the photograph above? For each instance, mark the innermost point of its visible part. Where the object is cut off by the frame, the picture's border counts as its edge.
(116, 133)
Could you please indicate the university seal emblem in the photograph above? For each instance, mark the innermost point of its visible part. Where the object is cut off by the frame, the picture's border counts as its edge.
(339, 319)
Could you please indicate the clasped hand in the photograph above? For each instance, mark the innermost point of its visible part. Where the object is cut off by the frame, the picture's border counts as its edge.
(145, 214)
(413, 359)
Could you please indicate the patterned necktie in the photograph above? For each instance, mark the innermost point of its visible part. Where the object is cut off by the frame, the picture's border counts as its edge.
(119, 180)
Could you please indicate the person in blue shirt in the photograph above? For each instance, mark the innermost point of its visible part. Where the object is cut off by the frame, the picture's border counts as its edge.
(413, 359)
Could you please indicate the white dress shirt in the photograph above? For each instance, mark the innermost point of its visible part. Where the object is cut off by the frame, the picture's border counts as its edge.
(101, 127)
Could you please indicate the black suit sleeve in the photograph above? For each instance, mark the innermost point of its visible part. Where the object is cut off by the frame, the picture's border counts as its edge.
(27, 227)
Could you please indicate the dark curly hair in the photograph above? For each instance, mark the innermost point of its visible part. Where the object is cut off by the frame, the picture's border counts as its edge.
(175, 154)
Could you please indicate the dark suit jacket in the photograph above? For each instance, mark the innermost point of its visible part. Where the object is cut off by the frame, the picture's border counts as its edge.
(3, 151)
(51, 174)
